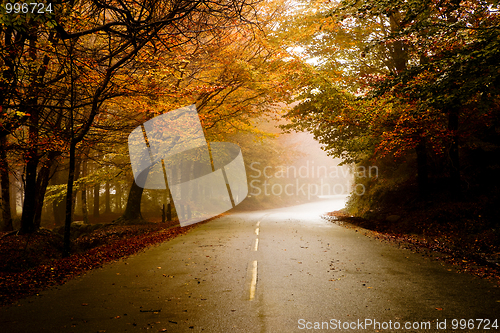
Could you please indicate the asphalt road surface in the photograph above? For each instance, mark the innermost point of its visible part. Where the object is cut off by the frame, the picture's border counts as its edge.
(283, 270)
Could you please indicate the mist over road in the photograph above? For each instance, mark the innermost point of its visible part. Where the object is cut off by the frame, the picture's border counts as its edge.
(281, 270)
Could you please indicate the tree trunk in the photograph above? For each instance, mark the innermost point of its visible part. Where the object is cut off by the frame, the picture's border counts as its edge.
(31, 156)
(118, 198)
(13, 197)
(22, 186)
(133, 208)
(5, 184)
(97, 188)
(85, 212)
(42, 183)
(69, 200)
(397, 49)
(30, 190)
(58, 209)
(76, 175)
(108, 199)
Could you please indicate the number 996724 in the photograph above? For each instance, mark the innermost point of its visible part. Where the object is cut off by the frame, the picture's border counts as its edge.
(28, 7)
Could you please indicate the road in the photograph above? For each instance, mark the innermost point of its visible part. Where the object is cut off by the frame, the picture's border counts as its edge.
(283, 270)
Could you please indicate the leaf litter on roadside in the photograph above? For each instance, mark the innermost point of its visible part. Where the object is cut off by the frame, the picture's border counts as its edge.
(32, 263)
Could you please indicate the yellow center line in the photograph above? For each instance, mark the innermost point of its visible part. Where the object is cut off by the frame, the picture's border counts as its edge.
(253, 284)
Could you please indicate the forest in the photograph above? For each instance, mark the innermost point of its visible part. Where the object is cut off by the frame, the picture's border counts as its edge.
(77, 80)
(411, 87)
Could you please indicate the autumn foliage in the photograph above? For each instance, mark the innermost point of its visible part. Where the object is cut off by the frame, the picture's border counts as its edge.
(411, 87)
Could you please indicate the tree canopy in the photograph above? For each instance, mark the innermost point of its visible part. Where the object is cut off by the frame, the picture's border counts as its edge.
(77, 79)
(402, 81)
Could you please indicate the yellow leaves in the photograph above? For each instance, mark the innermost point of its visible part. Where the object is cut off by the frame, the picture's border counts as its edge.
(15, 113)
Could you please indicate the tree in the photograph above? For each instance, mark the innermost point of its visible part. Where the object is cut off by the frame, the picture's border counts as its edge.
(234, 77)
(331, 104)
(102, 39)
(454, 72)
(421, 76)
(5, 185)
(137, 32)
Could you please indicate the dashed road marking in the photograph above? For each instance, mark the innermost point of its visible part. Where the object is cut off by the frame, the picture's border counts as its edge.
(256, 246)
(253, 283)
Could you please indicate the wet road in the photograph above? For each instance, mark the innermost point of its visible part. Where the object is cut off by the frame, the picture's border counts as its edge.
(283, 270)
